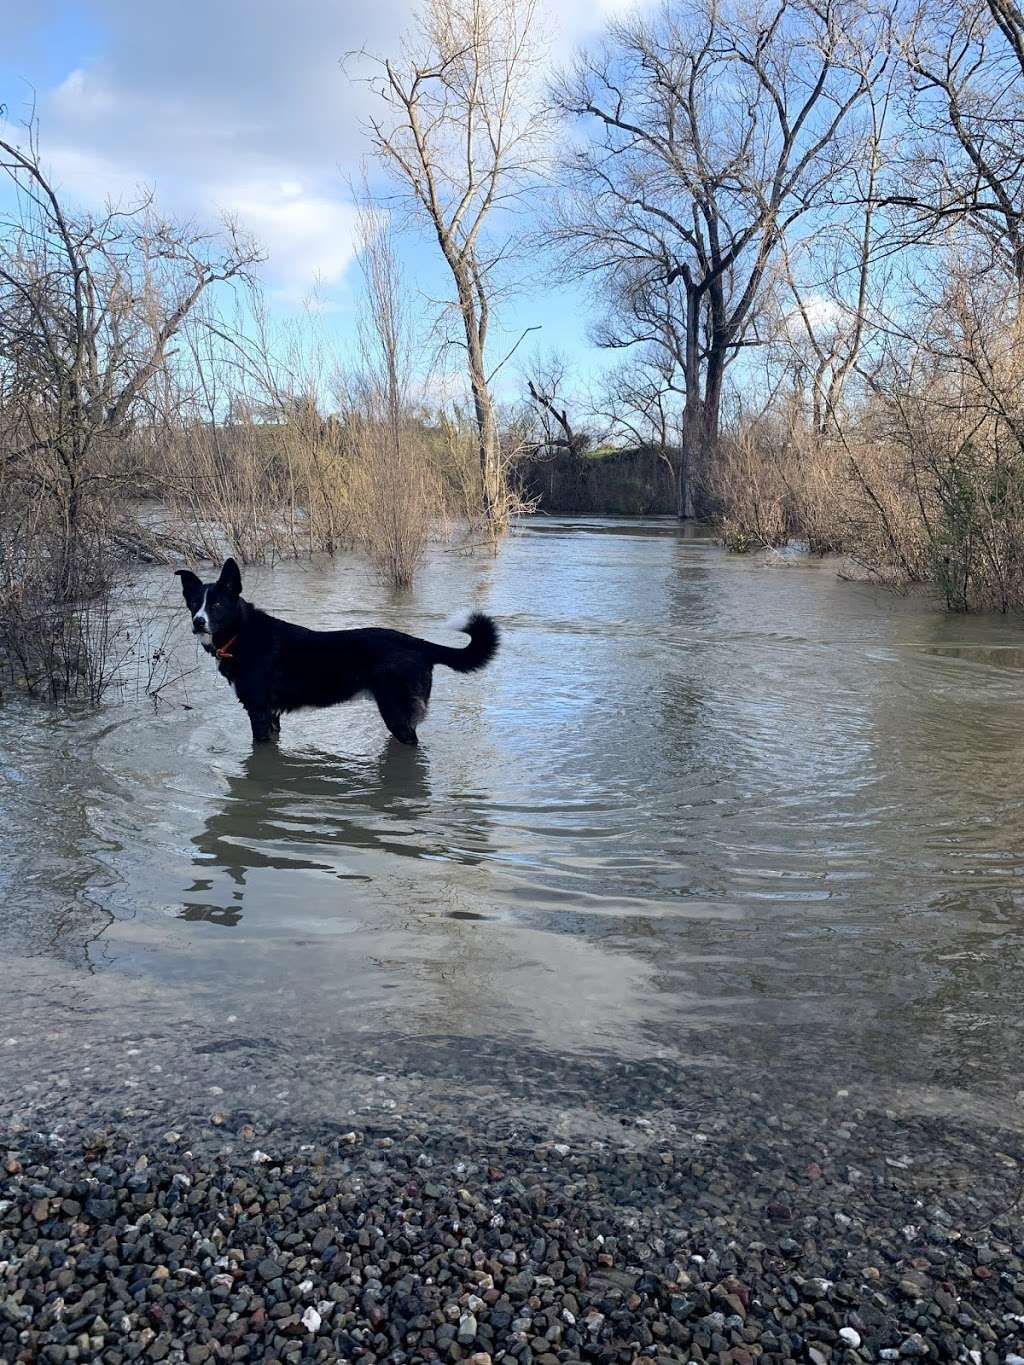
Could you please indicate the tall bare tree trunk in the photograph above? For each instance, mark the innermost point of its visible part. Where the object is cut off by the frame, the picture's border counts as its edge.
(461, 135)
(474, 321)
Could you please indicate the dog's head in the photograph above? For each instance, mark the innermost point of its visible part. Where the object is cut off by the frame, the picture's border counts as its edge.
(214, 607)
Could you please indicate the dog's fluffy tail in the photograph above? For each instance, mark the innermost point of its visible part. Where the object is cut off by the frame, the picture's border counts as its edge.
(482, 647)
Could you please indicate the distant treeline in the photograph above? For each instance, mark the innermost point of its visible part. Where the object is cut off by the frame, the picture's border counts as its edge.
(629, 482)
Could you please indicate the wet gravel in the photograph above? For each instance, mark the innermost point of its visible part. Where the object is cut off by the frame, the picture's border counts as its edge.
(763, 1233)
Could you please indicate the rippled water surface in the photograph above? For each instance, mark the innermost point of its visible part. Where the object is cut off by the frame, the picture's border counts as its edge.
(703, 809)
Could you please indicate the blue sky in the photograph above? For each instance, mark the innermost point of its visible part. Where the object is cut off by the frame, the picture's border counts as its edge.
(240, 106)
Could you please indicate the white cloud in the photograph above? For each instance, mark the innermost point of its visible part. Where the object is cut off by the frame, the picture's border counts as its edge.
(824, 315)
(238, 106)
(308, 236)
(90, 177)
(80, 93)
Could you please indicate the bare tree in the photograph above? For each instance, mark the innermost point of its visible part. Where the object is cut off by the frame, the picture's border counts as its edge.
(641, 403)
(89, 307)
(716, 128)
(646, 319)
(546, 381)
(838, 276)
(641, 400)
(461, 136)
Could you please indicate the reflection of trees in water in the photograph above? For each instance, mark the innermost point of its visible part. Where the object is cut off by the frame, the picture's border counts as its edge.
(857, 806)
(629, 772)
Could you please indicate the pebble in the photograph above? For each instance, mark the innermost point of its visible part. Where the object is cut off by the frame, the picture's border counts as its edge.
(914, 1345)
(420, 1244)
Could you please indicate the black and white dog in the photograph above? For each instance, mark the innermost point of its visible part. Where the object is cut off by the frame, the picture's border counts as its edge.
(275, 666)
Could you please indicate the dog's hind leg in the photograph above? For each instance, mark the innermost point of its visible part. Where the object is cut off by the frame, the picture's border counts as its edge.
(400, 710)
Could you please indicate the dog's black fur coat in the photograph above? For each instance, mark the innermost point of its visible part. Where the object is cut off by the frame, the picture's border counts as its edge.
(275, 666)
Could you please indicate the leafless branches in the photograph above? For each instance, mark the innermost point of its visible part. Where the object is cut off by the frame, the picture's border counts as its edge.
(90, 306)
(461, 135)
(715, 129)
(556, 430)
(394, 493)
(964, 106)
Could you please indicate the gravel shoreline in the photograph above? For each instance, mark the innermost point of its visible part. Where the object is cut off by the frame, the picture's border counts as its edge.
(863, 1237)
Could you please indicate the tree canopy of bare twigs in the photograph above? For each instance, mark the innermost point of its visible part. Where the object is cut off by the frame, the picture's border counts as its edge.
(91, 307)
(965, 116)
(556, 428)
(90, 304)
(713, 129)
(837, 276)
(460, 132)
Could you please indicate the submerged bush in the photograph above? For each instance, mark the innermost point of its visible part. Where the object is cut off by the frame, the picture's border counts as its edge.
(921, 479)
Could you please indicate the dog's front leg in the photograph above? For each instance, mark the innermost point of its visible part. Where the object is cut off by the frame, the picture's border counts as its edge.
(266, 725)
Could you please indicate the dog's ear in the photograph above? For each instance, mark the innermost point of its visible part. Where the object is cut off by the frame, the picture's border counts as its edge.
(190, 584)
(230, 579)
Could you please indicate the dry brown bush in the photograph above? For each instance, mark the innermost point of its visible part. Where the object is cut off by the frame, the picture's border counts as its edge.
(393, 491)
(922, 479)
(394, 496)
(242, 451)
(261, 490)
(780, 481)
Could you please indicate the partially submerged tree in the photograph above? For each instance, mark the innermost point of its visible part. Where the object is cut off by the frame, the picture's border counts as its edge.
(717, 126)
(90, 306)
(461, 136)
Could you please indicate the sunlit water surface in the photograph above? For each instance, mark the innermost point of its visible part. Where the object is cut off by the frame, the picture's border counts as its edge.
(732, 813)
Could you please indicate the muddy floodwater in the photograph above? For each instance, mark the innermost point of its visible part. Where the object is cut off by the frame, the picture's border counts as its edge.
(726, 816)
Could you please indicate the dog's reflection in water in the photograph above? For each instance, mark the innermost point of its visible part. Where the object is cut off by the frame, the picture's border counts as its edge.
(287, 812)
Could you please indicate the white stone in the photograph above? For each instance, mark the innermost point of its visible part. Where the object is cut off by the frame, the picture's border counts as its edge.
(467, 1329)
(311, 1320)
